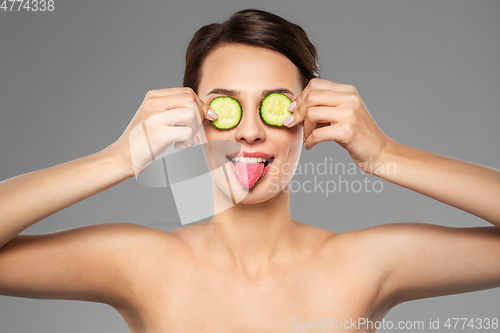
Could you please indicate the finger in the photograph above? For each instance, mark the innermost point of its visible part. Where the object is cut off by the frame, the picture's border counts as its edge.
(339, 132)
(169, 91)
(199, 105)
(325, 98)
(320, 84)
(322, 114)
(199, 116)
(178, 116)
(205, 111)
(174, 134)
(188, 142)
(163, 103)
(174, 117)
(184, 144)
(159, 141)
(160, 123)
(163, 99)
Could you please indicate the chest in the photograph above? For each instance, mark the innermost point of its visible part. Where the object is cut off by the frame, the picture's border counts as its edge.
(197, 300)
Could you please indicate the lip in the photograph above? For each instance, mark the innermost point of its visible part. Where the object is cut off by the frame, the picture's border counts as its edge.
(250, 154)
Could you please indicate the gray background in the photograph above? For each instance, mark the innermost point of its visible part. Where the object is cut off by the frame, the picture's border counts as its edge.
(71, 80)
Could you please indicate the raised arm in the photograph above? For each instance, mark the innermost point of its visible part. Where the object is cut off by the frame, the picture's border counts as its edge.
(419, 260)
(31, 197)
(91, 263)
(467, 186)
(79, 263)
(165, 116)
(334, 111)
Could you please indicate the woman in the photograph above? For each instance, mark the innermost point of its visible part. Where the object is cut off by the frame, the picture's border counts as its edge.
(251, 267)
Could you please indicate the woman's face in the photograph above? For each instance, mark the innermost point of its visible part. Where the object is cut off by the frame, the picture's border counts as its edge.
(248, 74)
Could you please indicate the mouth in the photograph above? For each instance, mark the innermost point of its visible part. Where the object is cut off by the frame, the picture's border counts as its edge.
(250, 169)
(243, 159)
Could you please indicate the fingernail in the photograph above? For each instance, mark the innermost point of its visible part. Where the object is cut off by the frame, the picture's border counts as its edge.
(292, 106)
(288, 120)
(212, 114)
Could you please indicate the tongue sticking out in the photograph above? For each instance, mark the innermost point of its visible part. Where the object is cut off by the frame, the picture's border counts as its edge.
(248, 173)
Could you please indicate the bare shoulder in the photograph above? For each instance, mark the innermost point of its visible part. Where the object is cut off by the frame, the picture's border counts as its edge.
(362, 258)
(374, 246)
(143, 242)
(99, 262)
(132, 248)
(369, 251)
(378, 237)
(130, 236)
(385, 238)
(420, 260)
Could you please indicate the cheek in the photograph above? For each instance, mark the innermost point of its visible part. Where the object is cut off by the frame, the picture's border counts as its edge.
(294, 138)
(213, 133)
(209, 130)
(289, 142)
(295, 145)
(219, 142)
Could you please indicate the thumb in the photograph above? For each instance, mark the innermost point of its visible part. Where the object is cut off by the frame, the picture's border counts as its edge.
(205, 111)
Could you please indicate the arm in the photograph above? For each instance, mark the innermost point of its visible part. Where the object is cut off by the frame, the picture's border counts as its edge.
(466, 186)
(100, 262)
(79, 263)
(165, 116)
(418, 260)
(29, 198)
(333, 111)
(427, 260)
(85, 263)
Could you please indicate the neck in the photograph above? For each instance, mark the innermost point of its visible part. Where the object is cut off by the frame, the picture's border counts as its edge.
(253, 235)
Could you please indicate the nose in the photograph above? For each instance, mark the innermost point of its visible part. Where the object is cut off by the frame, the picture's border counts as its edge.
(250, 129)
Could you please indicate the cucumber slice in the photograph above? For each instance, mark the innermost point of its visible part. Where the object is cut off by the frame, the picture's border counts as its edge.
(229, 111)
(274, 109)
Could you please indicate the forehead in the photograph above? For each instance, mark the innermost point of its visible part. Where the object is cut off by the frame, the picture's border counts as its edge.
(248, 68)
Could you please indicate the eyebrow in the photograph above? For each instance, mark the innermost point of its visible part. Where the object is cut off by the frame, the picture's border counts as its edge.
(234, 92)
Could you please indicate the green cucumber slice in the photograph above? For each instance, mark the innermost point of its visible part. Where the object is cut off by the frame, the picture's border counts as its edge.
(229, 111)
(273, 109)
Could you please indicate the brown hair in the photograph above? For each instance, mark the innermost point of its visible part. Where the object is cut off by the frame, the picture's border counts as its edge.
(255, 28)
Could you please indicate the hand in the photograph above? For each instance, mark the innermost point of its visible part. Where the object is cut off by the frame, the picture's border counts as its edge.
(164, 117)
(334, 111)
